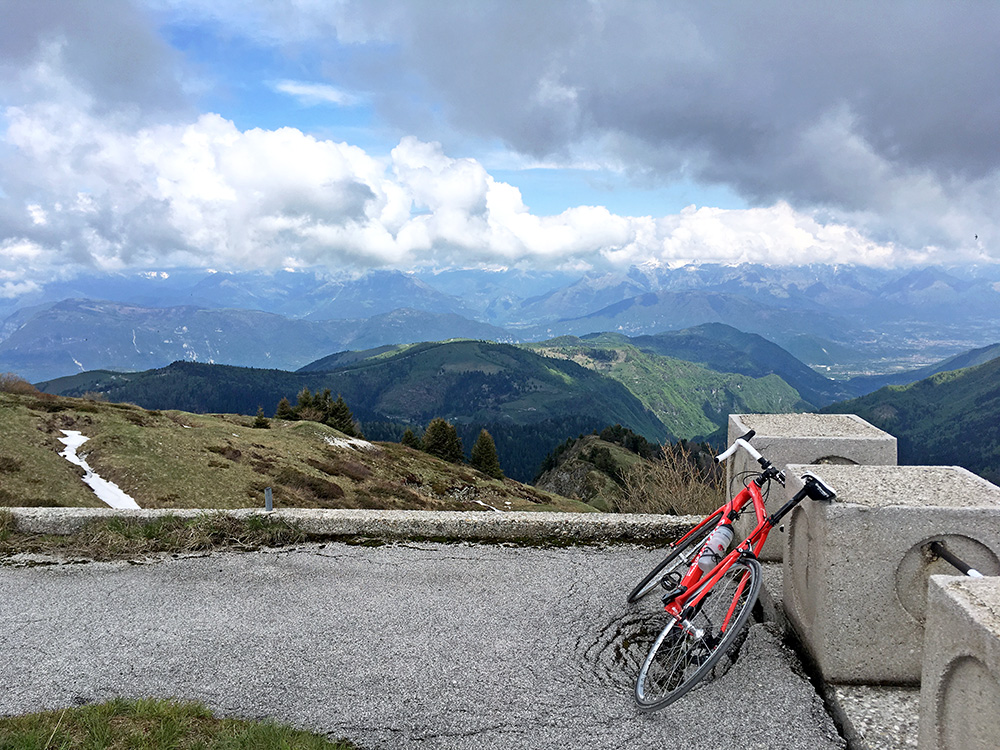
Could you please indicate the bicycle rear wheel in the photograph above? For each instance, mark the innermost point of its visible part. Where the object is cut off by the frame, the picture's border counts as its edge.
(681, 657)
(675, 565)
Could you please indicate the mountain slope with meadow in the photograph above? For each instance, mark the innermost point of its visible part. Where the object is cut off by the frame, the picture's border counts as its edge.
(175, 459)
(692, 401)
(952, 418)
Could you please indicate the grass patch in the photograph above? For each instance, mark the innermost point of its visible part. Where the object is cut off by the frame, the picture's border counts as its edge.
(151, 724)
(129, 538)
(177, 460)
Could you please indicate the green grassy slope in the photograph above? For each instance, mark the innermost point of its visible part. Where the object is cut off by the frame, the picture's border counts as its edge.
(528, 402)
(175, 459)
(952, 418)
(725, 349)
(692, 401)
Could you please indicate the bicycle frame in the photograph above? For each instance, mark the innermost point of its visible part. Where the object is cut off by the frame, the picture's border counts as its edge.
(726, 513)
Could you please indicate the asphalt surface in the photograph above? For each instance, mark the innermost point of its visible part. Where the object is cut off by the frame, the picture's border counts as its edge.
(408, 645)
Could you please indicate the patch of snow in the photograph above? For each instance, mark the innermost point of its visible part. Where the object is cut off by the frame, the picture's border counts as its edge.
(487, 505)
(349, 443)
(107, 492)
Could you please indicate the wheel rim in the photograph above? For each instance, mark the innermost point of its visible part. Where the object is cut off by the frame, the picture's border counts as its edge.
(679, 558)
(679, 660)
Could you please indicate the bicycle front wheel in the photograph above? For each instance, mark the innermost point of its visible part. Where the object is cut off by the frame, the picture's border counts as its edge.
(683, 656)
(675, 565)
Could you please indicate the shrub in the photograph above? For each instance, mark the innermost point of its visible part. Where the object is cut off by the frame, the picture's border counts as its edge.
(11, 383)
(681, 483)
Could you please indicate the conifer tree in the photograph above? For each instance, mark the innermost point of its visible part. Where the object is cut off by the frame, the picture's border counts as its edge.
(285, 410)
(339, 417)
(304, 400)
(484, 456)
(441, 439)
(261, 422)
(411, 440)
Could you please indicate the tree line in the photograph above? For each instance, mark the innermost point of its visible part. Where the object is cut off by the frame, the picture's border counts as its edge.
(440, 438)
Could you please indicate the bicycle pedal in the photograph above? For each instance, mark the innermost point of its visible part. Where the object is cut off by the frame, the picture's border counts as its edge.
(671, 595)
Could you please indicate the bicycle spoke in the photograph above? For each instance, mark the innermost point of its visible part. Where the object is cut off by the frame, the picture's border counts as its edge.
(683, 655)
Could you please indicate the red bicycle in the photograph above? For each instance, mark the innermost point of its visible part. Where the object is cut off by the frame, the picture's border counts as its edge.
(710, 594)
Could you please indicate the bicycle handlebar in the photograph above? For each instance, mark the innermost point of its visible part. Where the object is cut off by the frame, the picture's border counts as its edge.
(741, 442)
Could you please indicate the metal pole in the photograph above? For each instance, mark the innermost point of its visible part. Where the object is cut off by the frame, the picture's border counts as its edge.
(944, 553)
(268, 499)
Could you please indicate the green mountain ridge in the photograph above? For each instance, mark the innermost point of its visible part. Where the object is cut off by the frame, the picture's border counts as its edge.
(951, 418)
(722, 348)
(692, 401)
(527, 402)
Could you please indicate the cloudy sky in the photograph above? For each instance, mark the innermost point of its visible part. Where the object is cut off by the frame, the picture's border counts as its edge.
(144, 134)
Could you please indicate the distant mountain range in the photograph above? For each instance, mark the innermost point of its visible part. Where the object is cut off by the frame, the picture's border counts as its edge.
(81, 335)
(842, 319)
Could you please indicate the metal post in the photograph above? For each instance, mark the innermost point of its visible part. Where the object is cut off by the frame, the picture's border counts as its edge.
(268, 500)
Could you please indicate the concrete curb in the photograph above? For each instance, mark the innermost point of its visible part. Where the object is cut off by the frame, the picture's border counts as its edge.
(482, 526)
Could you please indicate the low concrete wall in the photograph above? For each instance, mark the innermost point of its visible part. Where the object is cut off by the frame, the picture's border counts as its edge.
(960, 689)
(402, 524)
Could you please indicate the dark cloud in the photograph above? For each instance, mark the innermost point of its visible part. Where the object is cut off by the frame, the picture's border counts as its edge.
(811, 102)
(106, 48)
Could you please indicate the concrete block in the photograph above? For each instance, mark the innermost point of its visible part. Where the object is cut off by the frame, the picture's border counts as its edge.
(960, 689)
(802, 439)
(856, 570)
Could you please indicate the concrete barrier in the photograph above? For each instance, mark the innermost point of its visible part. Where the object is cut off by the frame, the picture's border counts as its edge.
(855, 571)
(484, 526)
(802, 439)
(960, 689)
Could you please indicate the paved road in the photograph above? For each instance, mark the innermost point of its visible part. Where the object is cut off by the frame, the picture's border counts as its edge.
(400, 646)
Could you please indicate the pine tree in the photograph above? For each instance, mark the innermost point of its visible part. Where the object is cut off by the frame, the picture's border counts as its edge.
(411, 440)
(441, 440)
(484, 456)
(304, 400)
(261, 422)
(339, 417)
(285, 410)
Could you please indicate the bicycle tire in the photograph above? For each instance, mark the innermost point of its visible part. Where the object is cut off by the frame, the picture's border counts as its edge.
(678, 661)
(681, 557)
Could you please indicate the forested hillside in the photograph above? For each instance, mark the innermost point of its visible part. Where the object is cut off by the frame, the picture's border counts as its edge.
(952, 418)
(529, 403)
(725, 349)
(692, 401)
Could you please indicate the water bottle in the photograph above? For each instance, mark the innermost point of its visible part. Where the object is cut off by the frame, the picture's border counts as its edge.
(715, 547)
